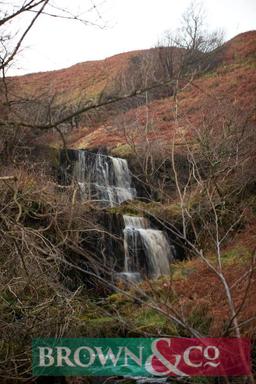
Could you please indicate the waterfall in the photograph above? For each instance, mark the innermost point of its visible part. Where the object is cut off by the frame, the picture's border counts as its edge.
(157, 250)
(103, 178)
(132, 243)
(123, 180)
(80, 172)
(139, 238)
(135, 222)
(107, 179)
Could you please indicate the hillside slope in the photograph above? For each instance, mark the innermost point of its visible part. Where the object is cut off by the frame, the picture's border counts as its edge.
(229, 81)
(79, 83)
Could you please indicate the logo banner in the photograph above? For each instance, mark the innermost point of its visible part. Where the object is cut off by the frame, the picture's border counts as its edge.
(145, 357)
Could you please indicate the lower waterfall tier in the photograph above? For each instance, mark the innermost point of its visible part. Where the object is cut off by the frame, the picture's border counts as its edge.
(146, 250)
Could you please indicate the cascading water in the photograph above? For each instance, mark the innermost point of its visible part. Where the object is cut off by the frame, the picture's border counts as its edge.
(132, 243)
(139, 238)
(103, 178)
(108, 179)
(123, 181)
(80, 171)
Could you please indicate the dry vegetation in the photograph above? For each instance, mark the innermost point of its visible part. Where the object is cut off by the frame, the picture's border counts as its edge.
(191, 147)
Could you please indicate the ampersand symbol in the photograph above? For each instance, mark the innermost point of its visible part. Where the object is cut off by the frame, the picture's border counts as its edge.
(161, 362)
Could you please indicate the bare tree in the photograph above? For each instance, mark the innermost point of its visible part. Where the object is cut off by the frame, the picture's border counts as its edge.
(25, 14)
(196, 44)
(17, 20)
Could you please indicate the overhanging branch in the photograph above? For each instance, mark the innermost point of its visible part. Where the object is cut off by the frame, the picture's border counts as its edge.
(86, 108)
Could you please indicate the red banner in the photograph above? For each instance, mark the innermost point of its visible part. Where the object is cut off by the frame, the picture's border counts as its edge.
(201, 357)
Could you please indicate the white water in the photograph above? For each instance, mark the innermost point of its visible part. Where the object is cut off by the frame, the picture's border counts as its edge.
(138, 237)
(108, 178)
(80, 168)
(128, 277)
(133, 222)
(157, 250)
(132, 241)
(122, 188)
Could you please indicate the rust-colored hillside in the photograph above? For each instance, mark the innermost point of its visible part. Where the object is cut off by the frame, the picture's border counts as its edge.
(82, 81)
(230, 82)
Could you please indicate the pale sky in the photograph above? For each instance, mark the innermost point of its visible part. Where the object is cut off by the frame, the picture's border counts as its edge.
(130, 25)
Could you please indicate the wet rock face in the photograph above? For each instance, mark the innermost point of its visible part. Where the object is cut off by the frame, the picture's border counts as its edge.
(104, 255)
(68, 159)
(112, 242)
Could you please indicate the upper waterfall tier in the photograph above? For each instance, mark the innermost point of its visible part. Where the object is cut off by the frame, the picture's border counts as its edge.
(103, 178)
